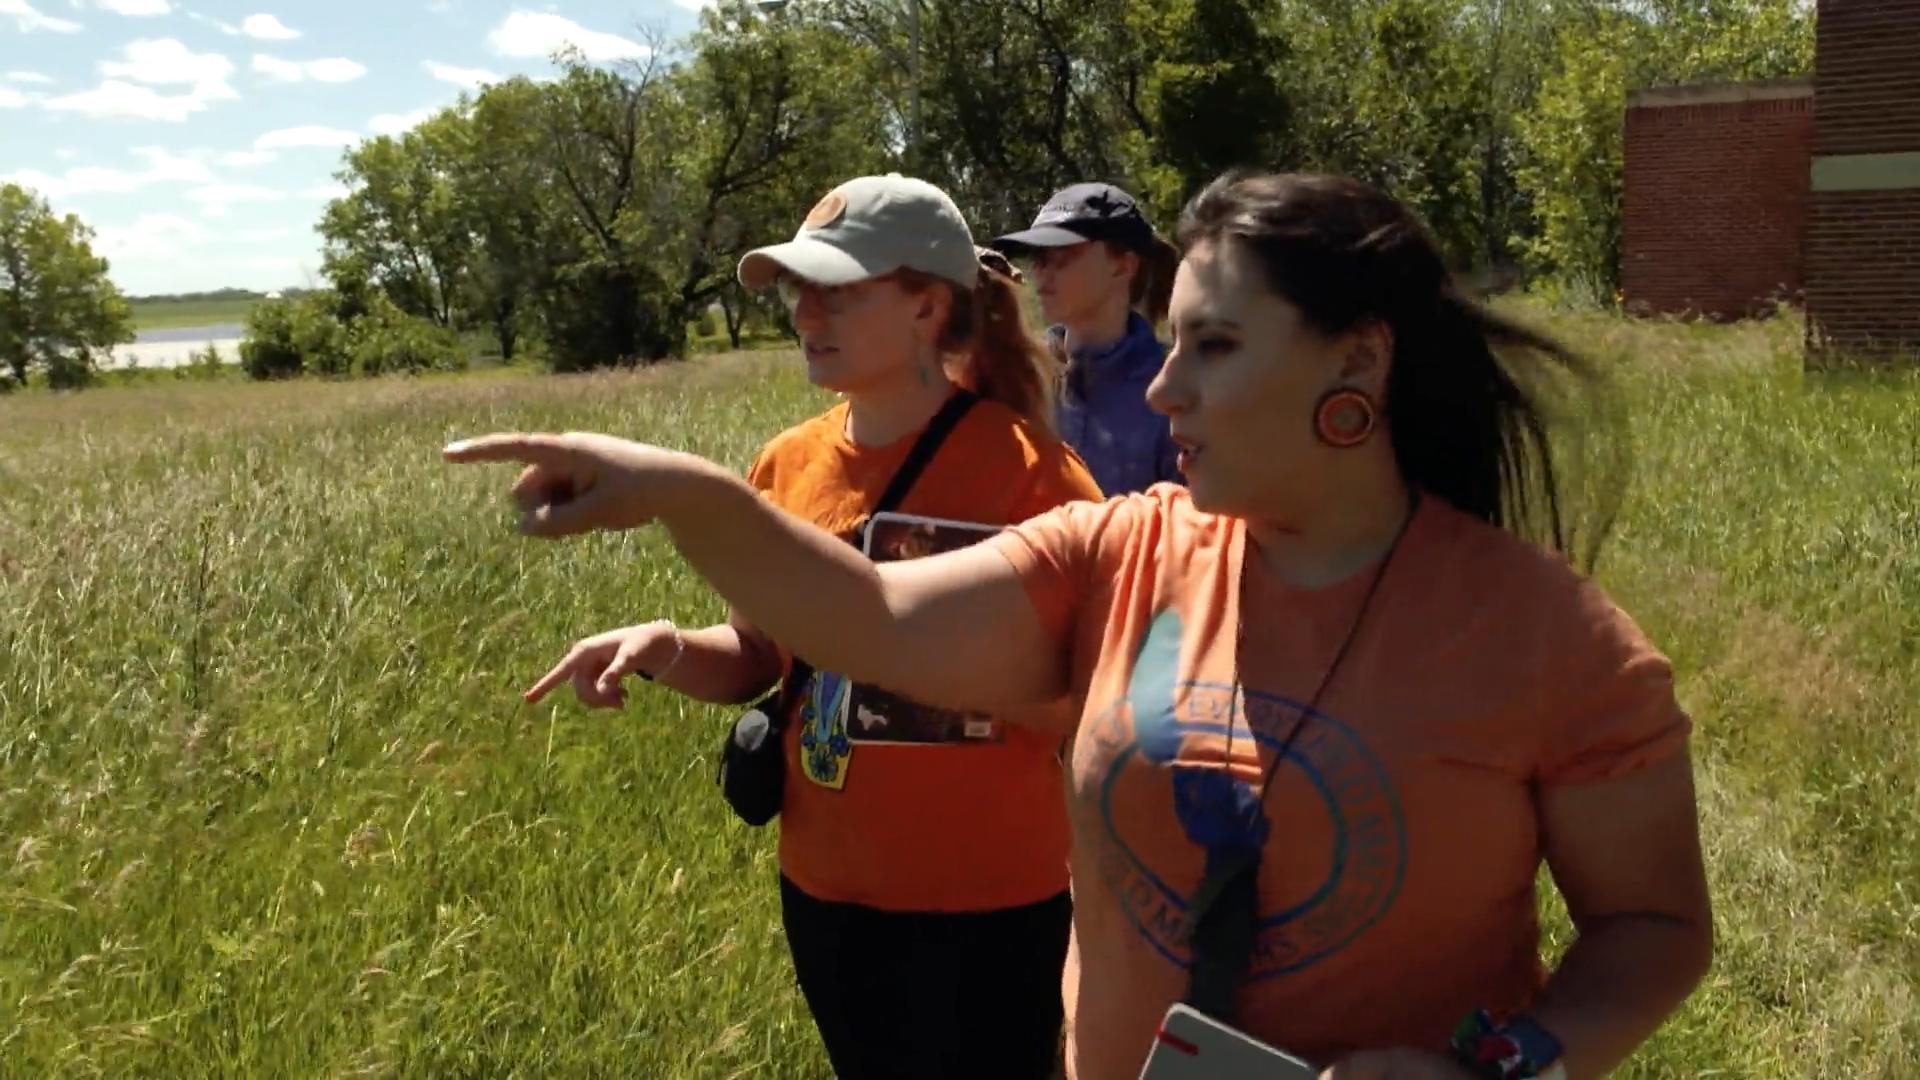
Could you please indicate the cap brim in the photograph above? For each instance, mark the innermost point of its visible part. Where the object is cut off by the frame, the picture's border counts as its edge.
(814, 260)
(1046, 236)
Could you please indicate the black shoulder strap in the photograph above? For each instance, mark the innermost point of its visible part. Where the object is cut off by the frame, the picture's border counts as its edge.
(927, 445)
(1222, 934)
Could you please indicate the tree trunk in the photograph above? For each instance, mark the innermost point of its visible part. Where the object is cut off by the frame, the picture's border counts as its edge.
(733, 307)
(503, 330)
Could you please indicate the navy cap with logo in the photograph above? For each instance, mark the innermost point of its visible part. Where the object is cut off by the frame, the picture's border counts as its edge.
(1081, 213)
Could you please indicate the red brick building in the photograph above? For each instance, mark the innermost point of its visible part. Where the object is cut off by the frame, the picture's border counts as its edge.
(1737, 194)
(1715, 197)
(1863, 223)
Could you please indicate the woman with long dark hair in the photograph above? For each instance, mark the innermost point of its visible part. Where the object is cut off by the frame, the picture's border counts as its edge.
(1340, 698)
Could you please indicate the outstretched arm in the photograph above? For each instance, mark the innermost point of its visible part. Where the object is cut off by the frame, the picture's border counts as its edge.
(955, 630)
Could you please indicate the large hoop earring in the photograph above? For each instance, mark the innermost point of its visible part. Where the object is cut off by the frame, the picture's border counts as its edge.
(1345, 418)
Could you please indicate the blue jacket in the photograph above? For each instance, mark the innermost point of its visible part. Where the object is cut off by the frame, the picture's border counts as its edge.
(1103, 413)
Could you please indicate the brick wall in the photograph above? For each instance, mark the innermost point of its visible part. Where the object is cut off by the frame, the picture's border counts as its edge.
(1863, 295)
(1863, 231)
(1714, 197)
(1866, 79)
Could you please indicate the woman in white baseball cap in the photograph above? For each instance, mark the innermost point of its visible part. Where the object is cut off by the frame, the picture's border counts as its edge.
(923, 852)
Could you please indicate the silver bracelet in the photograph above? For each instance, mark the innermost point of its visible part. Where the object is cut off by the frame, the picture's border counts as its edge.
(679, 650)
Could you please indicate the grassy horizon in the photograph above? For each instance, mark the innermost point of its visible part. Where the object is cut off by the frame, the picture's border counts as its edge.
(270, 805)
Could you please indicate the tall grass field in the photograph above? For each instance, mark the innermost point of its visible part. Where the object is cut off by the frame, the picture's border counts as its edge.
(270, 804)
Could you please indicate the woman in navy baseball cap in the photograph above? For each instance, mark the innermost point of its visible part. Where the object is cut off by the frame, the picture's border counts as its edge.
(1104, 276)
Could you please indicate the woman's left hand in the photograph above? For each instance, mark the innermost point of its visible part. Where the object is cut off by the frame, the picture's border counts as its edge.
(1397, 1064)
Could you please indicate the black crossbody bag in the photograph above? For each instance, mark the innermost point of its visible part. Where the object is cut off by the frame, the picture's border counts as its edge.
(753, 763)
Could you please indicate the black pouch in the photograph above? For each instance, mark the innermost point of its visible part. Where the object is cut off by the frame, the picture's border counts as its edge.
(753, 760)
(753, 763)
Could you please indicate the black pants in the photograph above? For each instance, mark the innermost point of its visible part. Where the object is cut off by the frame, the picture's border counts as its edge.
(926, 995)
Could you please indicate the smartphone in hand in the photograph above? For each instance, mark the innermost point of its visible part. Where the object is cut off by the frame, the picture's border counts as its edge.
(1194, 1046)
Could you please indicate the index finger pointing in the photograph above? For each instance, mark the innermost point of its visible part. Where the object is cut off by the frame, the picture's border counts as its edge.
(532, 448)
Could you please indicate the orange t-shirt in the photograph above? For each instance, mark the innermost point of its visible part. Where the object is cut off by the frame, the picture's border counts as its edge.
(1400, 834)
(965, 824)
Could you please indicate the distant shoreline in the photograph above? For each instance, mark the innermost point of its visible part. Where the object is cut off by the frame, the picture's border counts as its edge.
(174, 346)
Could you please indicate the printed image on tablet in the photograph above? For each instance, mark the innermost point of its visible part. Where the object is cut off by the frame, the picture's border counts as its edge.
(892, 537)
(873, 714)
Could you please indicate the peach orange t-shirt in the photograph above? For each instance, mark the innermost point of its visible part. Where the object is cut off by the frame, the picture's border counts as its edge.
(1400, 836)
(952, 826)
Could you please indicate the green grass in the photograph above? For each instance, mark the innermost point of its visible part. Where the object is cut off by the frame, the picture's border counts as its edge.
(166, 314)
(269, 804)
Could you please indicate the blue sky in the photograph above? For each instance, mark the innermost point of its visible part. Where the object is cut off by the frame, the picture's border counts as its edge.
(199, 137)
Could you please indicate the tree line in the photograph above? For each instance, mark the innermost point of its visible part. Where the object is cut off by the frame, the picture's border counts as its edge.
(589, 219)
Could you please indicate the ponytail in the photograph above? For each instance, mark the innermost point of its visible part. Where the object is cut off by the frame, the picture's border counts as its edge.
(997, 356)
(1152, 289)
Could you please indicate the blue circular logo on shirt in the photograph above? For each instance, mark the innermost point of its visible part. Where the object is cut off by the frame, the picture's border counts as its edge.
(1331, 820)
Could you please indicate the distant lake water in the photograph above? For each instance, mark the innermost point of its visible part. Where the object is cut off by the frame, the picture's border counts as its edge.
(216, 332)
(175, 345)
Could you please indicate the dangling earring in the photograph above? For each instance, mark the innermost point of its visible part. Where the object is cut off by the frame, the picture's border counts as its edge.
(1344, 418)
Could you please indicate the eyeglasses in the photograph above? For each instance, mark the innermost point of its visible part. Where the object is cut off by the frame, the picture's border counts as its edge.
(833, 299)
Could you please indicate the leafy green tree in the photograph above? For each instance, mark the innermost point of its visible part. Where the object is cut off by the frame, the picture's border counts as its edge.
(772, 114)
(503, 180)
(296, 336)
(405, 225)
(58, 310)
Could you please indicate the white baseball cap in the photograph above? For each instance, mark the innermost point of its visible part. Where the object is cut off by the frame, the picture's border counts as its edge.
(869, 226)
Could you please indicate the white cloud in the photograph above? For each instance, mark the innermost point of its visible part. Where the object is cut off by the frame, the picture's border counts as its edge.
(335, 69)
(12, 99)
(136, 7)
(224, 27)
(325, 191)
(267, 28)
(331, 70)
(307, 135)
(28, 77)
(214, 199)
(273, 264)
(118, 100)
(151, 235)
(396, 123)
(241, 159)
(538, 35)
(694, 5)
(269, 234)
(163, 62)
(284, 70)
(470, 78)
(166, 62)
(29, 19)
(258, 27)
(163, 166)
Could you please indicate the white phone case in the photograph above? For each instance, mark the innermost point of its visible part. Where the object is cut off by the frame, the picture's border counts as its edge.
(1194, 1046)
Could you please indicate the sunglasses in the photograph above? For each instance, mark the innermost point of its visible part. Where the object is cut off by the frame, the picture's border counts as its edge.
(833, 299)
